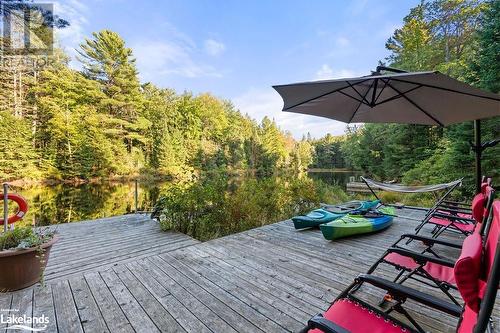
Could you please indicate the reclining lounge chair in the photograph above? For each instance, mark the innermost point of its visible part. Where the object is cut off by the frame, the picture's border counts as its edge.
(427, 266)
(444, 221)
(477, 273)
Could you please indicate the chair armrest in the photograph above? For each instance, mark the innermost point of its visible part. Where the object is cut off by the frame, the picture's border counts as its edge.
(420, 258)
(327, 326)
(404, 292)
(455, 210)
(457, 203)
(454, 218)
(430, 240)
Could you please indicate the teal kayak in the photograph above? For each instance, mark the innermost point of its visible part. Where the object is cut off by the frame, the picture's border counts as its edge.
(330, 213)
(355, 224)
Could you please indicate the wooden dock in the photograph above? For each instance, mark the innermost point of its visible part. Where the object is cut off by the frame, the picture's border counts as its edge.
(358, 187)
(123, 274)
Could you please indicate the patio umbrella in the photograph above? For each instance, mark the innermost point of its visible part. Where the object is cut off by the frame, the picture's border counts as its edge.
(427, 98)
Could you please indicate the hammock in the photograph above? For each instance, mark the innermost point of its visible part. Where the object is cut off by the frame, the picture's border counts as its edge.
(410, 189)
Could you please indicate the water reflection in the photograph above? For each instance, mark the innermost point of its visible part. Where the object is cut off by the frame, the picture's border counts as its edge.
(339, 178)
(63, 203)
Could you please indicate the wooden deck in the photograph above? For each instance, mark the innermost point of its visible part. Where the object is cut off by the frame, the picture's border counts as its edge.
(123, 275)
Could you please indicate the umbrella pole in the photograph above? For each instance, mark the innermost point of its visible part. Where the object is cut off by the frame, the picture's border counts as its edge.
(478, 150)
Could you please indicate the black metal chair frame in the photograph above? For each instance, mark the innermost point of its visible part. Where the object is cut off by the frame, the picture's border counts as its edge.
(421, 258)
(402, 293)
(451, 226)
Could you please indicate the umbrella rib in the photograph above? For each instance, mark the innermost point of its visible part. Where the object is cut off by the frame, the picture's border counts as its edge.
(398, 95)
(381, 90)
(357, 92)
(372, 103)
(346, 94)
(322, 95)
(360, 103)
(415, 105)
(450, 90)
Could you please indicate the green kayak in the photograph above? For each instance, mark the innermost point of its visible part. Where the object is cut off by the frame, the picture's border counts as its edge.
(355, 224)
(329, 213)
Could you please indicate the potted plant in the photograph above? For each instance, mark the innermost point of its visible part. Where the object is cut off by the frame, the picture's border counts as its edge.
(24, 252)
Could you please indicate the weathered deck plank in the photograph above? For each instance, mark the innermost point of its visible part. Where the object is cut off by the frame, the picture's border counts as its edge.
(67, 317)
(88, 310)
(43, 305)
(226, 313)
(111, 312)
(89, 246)
(181, 313)
(124, 275)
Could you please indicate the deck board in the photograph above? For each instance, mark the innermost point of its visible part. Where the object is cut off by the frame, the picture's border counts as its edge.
(124, 275)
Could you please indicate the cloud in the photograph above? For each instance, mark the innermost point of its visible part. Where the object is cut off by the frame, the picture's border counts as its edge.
(213, 47)
(325, 72)
(388, 30)
(342, 41)
(328, 73)
(75, 13)
(169, 58)
(258, 103)
(357, 7)
(178, 55)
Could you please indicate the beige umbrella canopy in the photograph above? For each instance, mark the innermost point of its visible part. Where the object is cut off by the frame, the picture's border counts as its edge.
(428, 98)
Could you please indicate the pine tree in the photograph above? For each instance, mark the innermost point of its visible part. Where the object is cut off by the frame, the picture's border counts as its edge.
(18, 157)
(107, 60)
(486, 66)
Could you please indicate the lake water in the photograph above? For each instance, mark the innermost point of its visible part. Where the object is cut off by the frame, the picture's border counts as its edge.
(63, 203)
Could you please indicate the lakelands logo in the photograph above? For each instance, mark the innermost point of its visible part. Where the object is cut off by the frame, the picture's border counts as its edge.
(13, 321)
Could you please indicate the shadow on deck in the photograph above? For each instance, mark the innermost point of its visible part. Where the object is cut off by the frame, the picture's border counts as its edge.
(123, 274)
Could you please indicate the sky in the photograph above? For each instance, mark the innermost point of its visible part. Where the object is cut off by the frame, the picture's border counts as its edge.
(238, 49)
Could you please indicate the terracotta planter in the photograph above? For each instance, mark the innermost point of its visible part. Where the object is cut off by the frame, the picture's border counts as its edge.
(22, 268)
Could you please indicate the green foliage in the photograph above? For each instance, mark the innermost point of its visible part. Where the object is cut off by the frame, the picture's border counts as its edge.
(437, 35)
(23, 238)
(101, 122)
(216, 205)
(459, 38)
(17, 158)
(390, 150)
(328, 153)
(389, 197)
(485, 67)
(107, 60)
(411, 45)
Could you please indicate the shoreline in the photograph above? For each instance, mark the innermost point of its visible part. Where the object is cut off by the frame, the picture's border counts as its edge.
(81, 181)
(145, 177)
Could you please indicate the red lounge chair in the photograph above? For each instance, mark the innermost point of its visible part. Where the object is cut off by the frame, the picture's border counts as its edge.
(427, 266)
(452, 209)
(477, 273)
(464, 206)
(447, 221)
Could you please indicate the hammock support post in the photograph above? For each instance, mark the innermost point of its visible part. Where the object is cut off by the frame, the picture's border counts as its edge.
(371, 190)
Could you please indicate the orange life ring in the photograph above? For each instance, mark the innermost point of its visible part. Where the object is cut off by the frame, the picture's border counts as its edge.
(21, 211)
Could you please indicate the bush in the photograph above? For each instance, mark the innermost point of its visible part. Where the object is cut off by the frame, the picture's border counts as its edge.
(390, 197)
(23, 238)
(214, 207)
